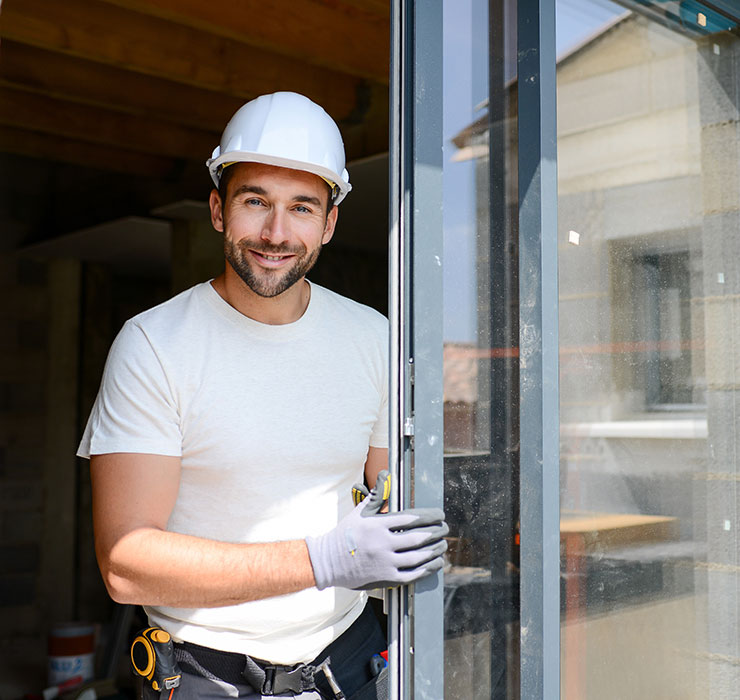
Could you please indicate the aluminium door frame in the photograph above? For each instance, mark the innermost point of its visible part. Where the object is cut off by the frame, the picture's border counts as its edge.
(416, 625)
(539, 399)
(416, 612)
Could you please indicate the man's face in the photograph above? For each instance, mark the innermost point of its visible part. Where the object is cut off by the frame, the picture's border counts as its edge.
(274, 223)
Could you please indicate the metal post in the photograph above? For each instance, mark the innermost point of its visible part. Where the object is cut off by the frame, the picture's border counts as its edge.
(538, 348)
(427, 330)
(415, 311)
(398, 313)
(502, 291)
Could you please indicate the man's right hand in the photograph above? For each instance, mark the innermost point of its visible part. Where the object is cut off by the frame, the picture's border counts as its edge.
(369, 549)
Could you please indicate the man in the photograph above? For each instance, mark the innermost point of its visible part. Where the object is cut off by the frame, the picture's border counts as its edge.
(231, 424)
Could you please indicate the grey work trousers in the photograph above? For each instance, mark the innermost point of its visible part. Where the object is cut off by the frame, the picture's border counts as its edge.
(201, 687)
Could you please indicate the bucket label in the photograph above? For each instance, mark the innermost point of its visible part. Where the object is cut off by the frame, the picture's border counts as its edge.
(62, 668)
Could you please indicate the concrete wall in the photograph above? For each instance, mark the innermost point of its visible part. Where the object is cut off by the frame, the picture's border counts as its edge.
(719, 80)
(24, 368)
(39, 365)
(55, 330)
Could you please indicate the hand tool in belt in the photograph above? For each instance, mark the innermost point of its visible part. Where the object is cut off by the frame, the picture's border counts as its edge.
(153, 660)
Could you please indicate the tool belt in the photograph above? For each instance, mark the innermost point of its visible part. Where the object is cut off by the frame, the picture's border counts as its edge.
(274, 679)
(277, 680)
(265, 678)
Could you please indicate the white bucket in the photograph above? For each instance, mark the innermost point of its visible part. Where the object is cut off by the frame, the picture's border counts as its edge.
(71, 652)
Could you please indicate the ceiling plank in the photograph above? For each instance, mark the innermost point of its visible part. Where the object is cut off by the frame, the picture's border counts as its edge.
(69, 78)
(53, 148)
(382, 8)
(47, 115)
(345, 37)
(104, 33)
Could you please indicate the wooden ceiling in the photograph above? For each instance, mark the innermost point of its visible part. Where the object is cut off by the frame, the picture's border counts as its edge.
(143, 86)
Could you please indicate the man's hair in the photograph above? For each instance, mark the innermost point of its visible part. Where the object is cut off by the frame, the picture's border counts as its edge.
(227, 173)
(223, 184)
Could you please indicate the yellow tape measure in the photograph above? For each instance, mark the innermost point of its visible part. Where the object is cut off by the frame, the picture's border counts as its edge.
(153, 659)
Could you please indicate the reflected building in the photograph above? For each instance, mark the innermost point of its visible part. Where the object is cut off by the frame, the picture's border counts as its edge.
(649, 243)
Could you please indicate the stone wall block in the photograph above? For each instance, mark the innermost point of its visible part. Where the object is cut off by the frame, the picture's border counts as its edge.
(722, 613)
(21, 526)
(722, 539)
(718, 77)
(17, 590)
(21, 494)
(722, 317)
(722, 439)
(720, 167)
(19, 558)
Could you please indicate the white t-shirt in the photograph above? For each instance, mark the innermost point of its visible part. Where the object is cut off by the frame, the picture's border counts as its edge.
(273, 425)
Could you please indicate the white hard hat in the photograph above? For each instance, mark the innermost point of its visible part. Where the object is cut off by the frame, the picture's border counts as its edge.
(288, 130)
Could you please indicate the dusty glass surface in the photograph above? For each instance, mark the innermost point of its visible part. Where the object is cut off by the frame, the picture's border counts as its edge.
(649, 268)
(480, 359)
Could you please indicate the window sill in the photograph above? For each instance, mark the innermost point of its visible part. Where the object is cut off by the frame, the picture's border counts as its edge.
(669, 429)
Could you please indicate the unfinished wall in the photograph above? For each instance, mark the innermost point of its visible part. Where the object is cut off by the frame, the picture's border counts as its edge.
(23, 376)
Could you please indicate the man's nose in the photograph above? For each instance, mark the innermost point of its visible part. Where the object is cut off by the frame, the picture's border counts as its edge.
(275, 227)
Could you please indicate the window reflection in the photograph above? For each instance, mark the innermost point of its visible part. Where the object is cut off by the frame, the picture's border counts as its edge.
(479, 354)
(648, 145)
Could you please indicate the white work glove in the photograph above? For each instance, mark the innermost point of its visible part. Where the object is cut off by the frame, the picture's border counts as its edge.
(370, 549)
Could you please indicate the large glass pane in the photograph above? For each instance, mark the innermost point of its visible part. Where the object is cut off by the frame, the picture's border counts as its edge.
(649, 243)
(480, 362)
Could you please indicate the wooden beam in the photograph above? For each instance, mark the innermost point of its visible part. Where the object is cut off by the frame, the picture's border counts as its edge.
(53, 148)
(36, 112)
(346, 37)
(65, 77)
(104, 33)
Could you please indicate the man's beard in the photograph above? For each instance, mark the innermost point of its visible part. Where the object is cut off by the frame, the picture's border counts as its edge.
(264, 282)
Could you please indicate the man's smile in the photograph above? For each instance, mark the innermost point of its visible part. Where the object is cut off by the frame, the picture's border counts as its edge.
(271, 260)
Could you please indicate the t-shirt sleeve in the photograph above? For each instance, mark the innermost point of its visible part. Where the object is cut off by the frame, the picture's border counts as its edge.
(379, 436)
(135, 410)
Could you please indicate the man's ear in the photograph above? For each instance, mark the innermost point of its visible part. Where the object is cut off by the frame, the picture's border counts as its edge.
(217, 212)
(331, 222)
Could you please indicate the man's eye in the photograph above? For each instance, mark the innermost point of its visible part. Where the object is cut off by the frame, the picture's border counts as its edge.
(255, 202)
(303, 209)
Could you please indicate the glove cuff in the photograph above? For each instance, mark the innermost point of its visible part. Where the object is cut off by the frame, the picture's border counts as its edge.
(318, 561)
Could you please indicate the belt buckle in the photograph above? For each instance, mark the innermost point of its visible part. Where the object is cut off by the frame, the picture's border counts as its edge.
(282, 679)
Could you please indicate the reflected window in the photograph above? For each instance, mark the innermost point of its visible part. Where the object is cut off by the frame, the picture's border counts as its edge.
(480, 362)
(669, 383)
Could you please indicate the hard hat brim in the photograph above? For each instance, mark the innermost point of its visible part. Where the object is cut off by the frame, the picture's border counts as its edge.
(342, 183)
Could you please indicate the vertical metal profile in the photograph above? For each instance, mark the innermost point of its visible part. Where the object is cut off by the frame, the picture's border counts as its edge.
(398, 313)
(502, 317)
(538, 350)
(425, 218)
(415, 311)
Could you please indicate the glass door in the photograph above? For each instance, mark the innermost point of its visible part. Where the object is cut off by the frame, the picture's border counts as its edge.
(462, 204)
(567, 346)
(649, 236)
(480, 350)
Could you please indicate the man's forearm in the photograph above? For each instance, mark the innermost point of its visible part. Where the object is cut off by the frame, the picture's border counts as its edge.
(148, 566)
